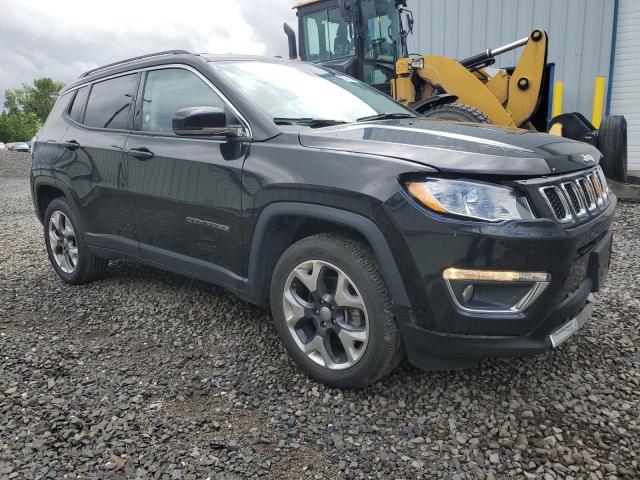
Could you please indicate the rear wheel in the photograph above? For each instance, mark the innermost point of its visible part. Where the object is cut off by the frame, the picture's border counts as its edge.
(333, 311)
(612, 143)
(456, 112)
(66, 245)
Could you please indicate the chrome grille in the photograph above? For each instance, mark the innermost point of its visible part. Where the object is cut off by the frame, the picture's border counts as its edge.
(588, 193)
(575, 198)
(597, 186)
(603, 182)
(556, 200)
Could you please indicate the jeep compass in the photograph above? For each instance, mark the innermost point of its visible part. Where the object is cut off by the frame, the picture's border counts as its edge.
(372, 234)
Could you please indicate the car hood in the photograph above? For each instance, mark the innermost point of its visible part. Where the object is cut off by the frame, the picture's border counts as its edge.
(458, 147)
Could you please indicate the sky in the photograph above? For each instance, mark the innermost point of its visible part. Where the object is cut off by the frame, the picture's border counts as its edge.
(64, 38)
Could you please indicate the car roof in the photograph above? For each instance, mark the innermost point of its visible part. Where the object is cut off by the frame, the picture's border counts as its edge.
(160, 58)
(230, 57)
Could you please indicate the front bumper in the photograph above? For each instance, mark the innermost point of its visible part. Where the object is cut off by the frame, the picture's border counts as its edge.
(438, 335)
(440, 351)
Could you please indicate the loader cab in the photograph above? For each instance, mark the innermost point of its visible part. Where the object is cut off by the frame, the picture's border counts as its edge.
(362, 38)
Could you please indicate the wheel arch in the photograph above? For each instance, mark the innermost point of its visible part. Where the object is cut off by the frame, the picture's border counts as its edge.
(282, 224)
(45, 190)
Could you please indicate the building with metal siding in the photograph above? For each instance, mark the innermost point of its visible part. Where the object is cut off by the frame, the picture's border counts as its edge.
(580, 36)
(625, 78)
(582, 42)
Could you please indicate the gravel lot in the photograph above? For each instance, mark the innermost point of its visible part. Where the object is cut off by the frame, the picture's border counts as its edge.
(148, 374)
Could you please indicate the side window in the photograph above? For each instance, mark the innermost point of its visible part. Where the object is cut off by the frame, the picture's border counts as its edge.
(110, 102)
(313, 38)
(77, 107)
(380, 29)
(169, 90)
(341, 42)
(327, 35)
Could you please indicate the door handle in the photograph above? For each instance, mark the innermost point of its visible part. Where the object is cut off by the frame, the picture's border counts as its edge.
(71, 145)
(141, 153)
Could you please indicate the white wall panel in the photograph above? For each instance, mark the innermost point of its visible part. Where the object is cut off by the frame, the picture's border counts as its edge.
(625, 90)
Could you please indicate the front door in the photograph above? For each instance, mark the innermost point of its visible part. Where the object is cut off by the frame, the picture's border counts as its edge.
(185, 191)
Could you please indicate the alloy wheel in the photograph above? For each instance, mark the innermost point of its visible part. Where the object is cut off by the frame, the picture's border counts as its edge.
(326, 315)
(62, 240)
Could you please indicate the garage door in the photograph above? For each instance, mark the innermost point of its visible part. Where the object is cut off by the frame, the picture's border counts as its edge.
(625, 89)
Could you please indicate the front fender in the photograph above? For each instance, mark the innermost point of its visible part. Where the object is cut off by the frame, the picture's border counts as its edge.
(360, 224)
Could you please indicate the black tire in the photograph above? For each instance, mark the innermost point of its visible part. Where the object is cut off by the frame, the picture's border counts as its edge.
(88, 267)
(612, 143)
(456, 112)
(384, 350)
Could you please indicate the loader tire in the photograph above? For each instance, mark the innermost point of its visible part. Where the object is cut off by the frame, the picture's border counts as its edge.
(456, 112)
(612, 143)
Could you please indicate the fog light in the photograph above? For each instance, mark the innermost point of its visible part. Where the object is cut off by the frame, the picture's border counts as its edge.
(494, 291)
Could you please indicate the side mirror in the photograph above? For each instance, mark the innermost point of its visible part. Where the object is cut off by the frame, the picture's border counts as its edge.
(203, 121)
(406, 16)
(346, 8)
(409, 21)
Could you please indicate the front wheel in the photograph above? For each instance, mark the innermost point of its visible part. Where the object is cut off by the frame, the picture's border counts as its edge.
(333, 312)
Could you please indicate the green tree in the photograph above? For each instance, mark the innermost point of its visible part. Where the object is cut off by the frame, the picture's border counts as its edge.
(18, 126)
(37, 99)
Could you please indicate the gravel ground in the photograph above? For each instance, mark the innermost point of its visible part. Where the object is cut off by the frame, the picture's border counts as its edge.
(148, 374)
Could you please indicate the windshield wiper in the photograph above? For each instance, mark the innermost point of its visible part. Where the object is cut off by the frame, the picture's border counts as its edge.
(385, 116)
(307, 122)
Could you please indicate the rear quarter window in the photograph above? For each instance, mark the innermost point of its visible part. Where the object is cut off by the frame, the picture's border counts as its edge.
(55, 126)
(110, 102)
(59, 107)
(76, 112)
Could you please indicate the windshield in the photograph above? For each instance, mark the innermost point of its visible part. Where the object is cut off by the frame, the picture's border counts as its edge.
(305, 91)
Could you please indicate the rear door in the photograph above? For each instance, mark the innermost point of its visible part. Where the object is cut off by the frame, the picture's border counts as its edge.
(185, 191)
(49, 153)
(97, 135)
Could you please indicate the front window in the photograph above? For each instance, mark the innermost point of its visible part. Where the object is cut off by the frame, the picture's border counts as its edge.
(327, 36)
(304, 91)
(168, 90)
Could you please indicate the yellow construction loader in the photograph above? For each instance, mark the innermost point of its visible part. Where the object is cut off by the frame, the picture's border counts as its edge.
(367, 39)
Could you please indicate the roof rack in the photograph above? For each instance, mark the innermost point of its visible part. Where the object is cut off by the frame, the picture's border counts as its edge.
(140, 57)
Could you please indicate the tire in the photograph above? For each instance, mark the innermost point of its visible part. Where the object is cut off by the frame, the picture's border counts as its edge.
(335, 259)
(456, 112)
(612, 143)
(67, 247)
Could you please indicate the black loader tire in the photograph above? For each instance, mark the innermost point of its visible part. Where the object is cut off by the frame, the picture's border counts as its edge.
(612, 143)
(456, 112)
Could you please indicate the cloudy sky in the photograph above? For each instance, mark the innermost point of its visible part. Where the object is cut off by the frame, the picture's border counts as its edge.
(62, 39)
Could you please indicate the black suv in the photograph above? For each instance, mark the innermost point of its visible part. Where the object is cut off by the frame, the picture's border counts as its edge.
(372, 233)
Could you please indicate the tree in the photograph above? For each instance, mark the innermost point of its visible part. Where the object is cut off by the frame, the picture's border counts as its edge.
(37, 99)
(18, 126)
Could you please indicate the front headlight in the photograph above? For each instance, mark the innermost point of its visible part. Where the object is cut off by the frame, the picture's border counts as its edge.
(482, 201)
